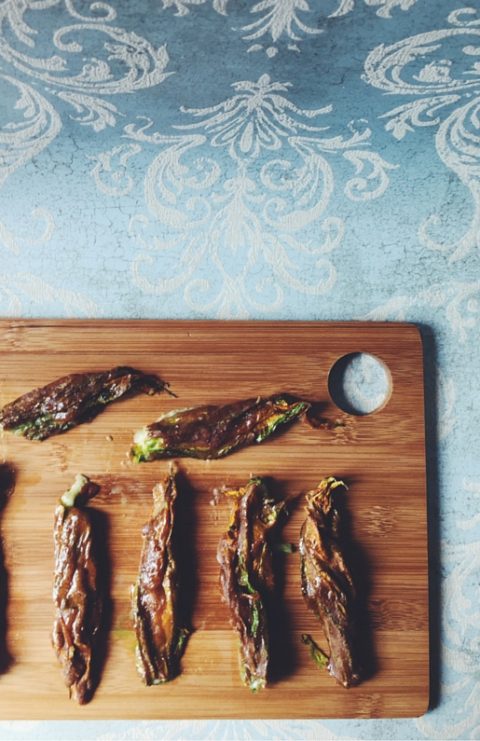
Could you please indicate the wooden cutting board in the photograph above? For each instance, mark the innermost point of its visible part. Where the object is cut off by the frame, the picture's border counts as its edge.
(380, 455)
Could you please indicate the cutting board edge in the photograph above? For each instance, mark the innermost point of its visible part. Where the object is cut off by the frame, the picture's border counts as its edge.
(108, 325)
(270, 323)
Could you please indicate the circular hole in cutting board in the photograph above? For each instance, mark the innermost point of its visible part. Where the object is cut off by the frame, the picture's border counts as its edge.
(359, 383)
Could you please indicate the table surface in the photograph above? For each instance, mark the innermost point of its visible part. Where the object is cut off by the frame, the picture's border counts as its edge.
(284, 159)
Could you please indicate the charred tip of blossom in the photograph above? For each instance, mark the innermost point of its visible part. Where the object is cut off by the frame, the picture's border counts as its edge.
(322, 495)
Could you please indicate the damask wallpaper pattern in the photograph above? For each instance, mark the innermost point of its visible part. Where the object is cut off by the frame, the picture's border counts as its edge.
(303, 159)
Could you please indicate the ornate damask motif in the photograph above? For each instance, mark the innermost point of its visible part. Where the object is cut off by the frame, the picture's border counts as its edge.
(182, 7)
(384, 7)
(461, 595)
(37, 229)
(110, 171)
(20, 291)
(32, 125)
(129, 63)
(287, 19)
(447, 404)
(239, 201)
(24, 138)
(453, 309)
(124, 62)
(459, 301)
(226, 730)
(441, 71)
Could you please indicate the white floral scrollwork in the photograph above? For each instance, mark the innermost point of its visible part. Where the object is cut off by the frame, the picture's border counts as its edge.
(21, 291)
(447, 398)
(123, 61)
(241, 220)
(459, 301)
(110, 170)
(33, 123)
(91, 111)
(460, 596)
(385, 7)
(445, 95)
(290, 20)
(23, 137)
(357, 188)
(277, 19)
(12, 241)
(219, 730)
(182, 6)
(256, 118)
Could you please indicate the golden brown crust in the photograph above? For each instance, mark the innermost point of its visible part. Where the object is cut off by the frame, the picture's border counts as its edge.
(71, 400)
(215, 431)
(246, 576)
(159, 636)
(327, 584)
(77, 596)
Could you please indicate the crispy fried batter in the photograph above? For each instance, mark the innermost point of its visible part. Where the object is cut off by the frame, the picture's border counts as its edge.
(327, 583)
(246, 575)
(215, 431)
(77, 591)
(159, 637)
(71, 400)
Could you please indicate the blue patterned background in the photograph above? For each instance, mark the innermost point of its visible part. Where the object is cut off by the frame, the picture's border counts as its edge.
(300, 159)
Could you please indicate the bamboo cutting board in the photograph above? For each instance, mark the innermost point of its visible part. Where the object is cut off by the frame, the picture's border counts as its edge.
(380, 456)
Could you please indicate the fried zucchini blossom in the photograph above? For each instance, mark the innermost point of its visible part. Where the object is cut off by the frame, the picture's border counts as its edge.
(215, 431)
(327, 584)
(246, 576)
(72, 400)
(78, 592)
(160, 638)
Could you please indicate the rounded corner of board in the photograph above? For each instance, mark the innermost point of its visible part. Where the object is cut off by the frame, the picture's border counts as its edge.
(423, 709)
(416, 331)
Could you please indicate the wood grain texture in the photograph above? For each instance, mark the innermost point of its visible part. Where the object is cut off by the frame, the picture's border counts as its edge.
(381, 456)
